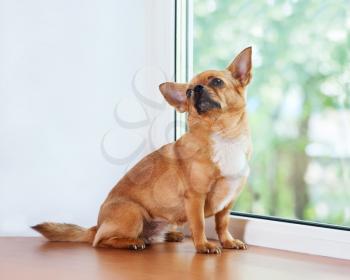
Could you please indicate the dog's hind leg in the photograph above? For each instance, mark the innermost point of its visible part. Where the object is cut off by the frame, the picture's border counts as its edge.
(123, 243)
(174, 235)
(121, 224)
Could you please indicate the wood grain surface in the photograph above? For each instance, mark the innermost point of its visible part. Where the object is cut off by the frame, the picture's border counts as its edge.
(34, 258)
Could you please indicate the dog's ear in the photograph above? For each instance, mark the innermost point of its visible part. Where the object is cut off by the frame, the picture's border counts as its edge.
(241, 66)
(175, 95)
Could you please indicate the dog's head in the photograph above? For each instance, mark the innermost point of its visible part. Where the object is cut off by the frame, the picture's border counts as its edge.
(211, 92)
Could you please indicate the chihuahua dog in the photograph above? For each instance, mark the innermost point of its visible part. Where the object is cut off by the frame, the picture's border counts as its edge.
(198, 176)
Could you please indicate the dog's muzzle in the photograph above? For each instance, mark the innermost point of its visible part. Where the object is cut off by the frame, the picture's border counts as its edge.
(202, 100)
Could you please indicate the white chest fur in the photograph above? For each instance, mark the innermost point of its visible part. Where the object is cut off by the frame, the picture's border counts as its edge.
(230, 155)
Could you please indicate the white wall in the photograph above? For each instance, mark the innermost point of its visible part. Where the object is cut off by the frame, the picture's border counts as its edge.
(66, 72)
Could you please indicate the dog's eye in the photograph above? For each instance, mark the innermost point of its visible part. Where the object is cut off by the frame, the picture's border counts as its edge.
(189, 93)
(216, 82)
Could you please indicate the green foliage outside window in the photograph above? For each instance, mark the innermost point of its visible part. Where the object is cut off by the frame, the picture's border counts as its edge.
(299, 100)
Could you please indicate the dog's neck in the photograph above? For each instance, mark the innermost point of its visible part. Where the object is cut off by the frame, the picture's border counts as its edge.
(230, 123)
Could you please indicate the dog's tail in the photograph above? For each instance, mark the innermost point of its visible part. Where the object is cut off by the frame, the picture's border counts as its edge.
(66, 232)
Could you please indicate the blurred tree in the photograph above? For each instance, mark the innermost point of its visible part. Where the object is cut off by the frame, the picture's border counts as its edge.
(301, 73)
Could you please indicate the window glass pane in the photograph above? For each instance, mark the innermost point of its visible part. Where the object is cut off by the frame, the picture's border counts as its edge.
(299, 100)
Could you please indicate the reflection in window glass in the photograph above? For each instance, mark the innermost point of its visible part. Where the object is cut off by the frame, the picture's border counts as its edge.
(299, 100)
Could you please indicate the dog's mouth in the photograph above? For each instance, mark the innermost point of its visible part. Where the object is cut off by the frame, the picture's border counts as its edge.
(204, 103)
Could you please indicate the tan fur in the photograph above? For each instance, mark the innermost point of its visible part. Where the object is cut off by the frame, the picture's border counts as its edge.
(180, 182)
(174, 236)
(66, 232)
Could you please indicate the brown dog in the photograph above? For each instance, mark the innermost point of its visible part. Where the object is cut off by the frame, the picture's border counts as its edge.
(199, 175)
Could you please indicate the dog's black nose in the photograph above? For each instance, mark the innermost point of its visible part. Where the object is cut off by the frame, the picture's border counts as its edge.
(198, 89)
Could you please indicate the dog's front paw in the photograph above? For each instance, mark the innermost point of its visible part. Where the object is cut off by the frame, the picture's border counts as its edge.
(208, 248)
(234, 244)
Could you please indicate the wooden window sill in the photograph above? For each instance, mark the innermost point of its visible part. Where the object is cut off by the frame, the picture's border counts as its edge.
(34, 258)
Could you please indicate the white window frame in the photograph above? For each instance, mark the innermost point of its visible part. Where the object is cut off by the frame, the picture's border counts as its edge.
(303, 237)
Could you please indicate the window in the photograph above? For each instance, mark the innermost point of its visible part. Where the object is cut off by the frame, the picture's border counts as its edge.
(298, 100)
